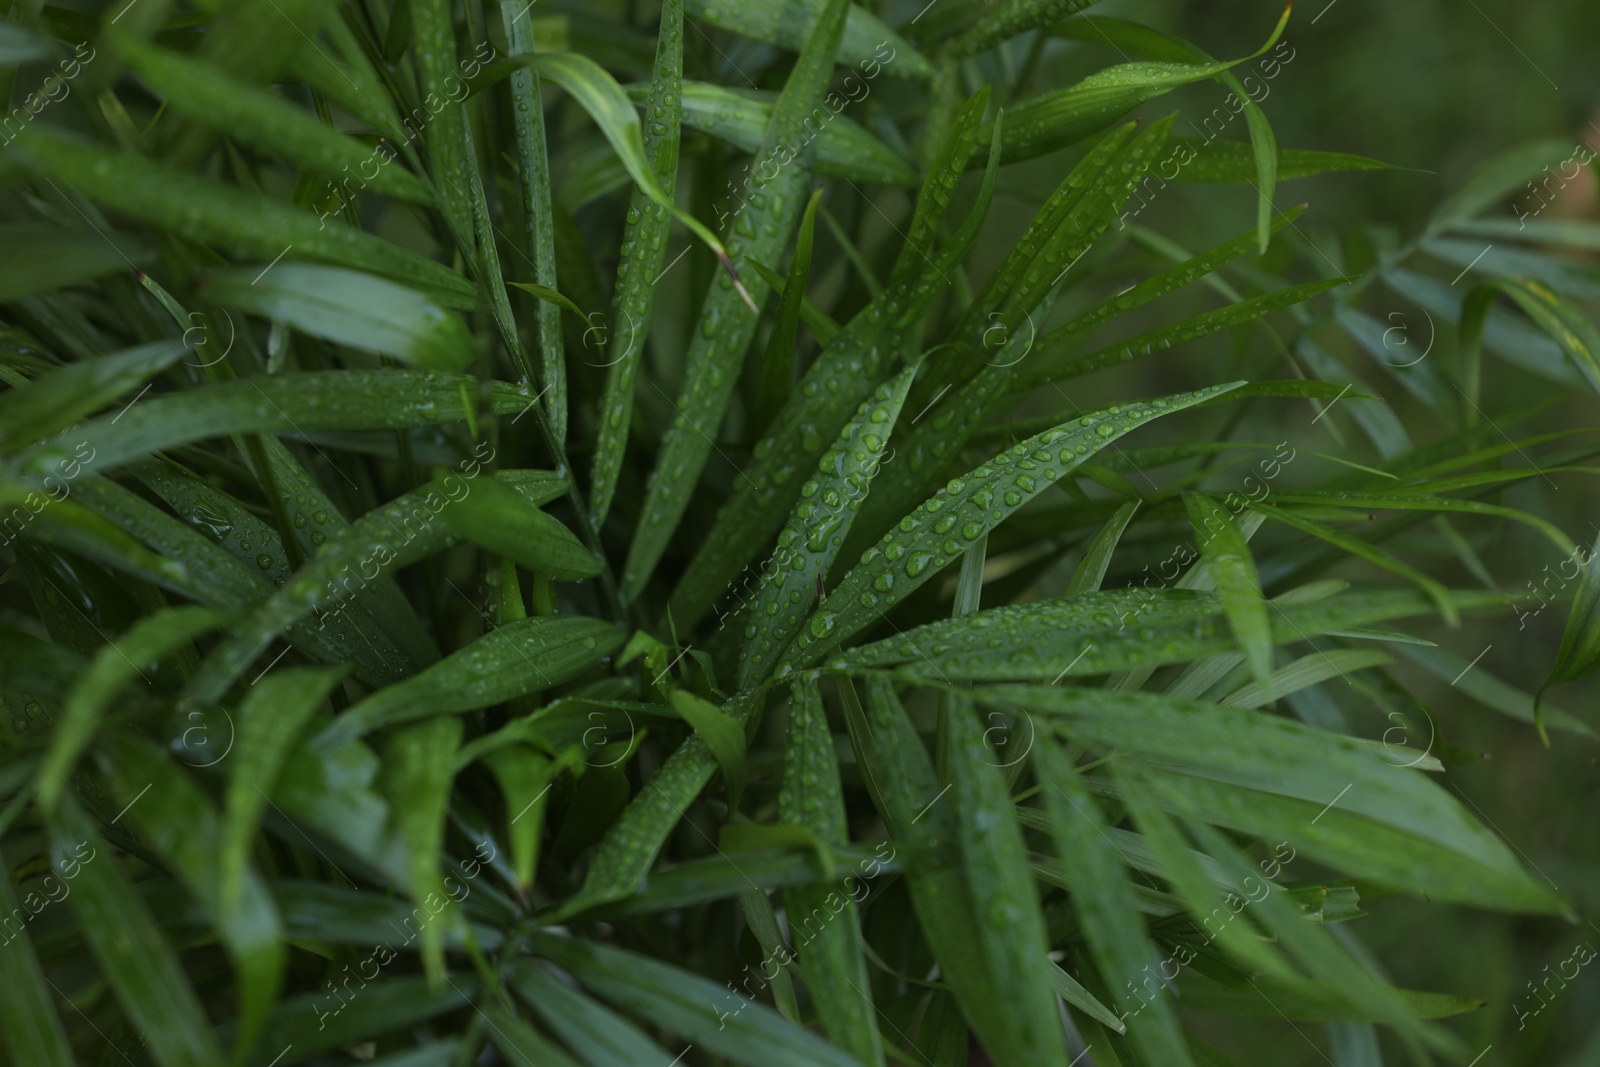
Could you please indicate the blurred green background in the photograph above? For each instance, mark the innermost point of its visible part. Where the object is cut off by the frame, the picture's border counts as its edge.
(1440, 87)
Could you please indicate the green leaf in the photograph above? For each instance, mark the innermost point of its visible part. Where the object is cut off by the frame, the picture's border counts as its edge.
(1553, 313)
(211, 212)
(350, 308)
(1062, 117)
(1010, 18)
(37, 258)
(843, 148)
(519, 657)
(419, 767)
(1309, 1001)
(524, 777)
(502, 520)
(810, 542)
(788, 23)
(1104, 904)
(643, 251)
(61, 397)
(777, 373)
(1371, 553)
(29, 1026)
(722, 734)
(832, 954)
(601, 1037)
(1225, 551)
(1091, 569)
(1234, 162)
(114, 667)
(177, 821)
(1068, 989)
(1010, 928)
(270, 719)
(1580, 639)
(1264, 756)
(204, 93)
(538, 213)
(600, 95)
(857, 358)
(521, 1045)
(724, 331)
(939, 530)
(135, 959)
(1159, 340)
(703, 1012)
(296, 403)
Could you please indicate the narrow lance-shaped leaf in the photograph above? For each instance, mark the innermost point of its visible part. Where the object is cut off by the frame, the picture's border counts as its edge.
(1115, 630)
(266, 724)
(1118, 943)
(267, 122)
(856, 361)
(1224, 549)
(605, 1038)
(643, 251)
(350, 308)
(211, 212)
(1011, 928)
(538, 216)
(296, 403)
(723, 735)
(923, 821)
(787, 24)
(380, 542)
(503, 520)
(810, 542)
(1151, 42)
(177, 821)
(30, 1029)
(777, 369)
(1010, 18)
(844, 149)
(686, 1004)
(1234, 162)
(1091, 569)
(1065, 227)
(1371, 553)
(114, 667)
(1062, 117)
(519, 657)
(524, 777)
(832, 954)
(1580, 640)
(760, 231)
(599, 94)
(939, 531)
(61, 397)
(419, 765)
(630, 847)
(1165, 337)
(433, 47)
(1553, 313)
(136, 960)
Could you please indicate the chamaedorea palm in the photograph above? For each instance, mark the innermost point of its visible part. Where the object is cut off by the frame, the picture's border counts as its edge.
(362, 682)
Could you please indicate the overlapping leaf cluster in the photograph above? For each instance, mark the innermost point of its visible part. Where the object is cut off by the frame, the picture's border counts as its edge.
(439, 628)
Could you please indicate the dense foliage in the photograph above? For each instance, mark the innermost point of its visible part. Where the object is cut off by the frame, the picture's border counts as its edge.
(605, 536)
